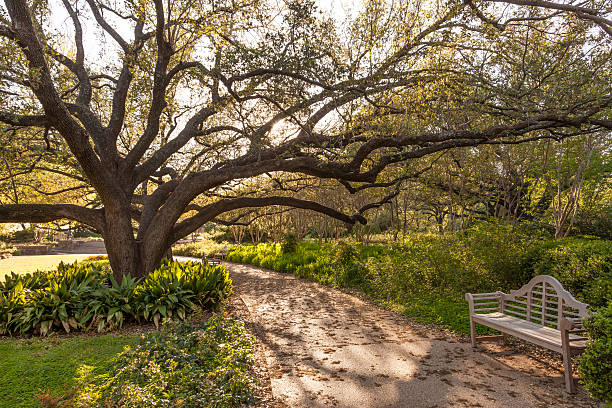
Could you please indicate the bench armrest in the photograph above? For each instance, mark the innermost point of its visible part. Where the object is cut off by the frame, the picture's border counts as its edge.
(570, 324)
(470, 299)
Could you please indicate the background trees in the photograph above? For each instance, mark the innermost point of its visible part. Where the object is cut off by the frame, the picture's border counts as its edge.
(195, 110)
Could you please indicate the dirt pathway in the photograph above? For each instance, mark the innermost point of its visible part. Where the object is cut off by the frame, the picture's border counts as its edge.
(326, 348)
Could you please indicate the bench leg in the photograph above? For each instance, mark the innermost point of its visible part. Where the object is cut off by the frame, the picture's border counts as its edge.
(570, 386)
(473, 332)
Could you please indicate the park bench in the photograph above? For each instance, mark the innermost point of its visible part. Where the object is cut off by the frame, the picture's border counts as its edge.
(217, 257)
(542, 312)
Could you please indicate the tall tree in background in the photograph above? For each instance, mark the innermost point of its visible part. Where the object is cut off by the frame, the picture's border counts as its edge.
(190, 99)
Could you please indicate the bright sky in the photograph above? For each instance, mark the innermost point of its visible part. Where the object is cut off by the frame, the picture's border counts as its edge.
(97, 46)
(340, 8)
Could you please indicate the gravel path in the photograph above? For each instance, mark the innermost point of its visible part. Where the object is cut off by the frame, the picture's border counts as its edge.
(326, 348)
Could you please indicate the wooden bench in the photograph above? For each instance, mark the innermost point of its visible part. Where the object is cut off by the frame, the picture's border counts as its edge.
(218, 257)
(213, 261)
(541, 312)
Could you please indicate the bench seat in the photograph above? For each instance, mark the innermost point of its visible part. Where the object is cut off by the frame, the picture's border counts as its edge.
(543, 336)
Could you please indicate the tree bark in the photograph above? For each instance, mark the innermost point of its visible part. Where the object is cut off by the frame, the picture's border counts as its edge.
(122, 248)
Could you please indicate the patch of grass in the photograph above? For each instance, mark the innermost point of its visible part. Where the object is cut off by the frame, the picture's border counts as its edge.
(448, 313)
(26, 264)
(28, 365)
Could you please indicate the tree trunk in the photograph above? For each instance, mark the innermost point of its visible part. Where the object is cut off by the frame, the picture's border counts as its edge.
(124, 256)
(125, 253)
(168, 254)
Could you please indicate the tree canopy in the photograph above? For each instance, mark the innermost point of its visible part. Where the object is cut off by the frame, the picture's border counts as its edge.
(146, 119)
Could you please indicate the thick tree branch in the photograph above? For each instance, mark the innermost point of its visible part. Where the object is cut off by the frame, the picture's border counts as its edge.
(24, 120)
(122, 87)
(106, 27)
(211, 211)
(50, 212)
(79, 63)
(158, 98)
(582, 12)
(55, 110)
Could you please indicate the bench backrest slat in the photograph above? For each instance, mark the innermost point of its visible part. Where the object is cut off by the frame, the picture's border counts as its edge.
(544, 301)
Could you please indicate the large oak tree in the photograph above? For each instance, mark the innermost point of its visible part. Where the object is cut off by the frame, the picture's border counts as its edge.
(158, 111)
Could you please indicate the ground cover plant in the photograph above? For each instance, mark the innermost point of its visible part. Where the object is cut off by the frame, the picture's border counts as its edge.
(596, 362)
(86, 296)
(206, 365)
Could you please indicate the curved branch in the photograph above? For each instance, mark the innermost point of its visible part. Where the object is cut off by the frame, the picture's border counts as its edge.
(79, 64)
(24, 120)
(51, 212)
(104, 24)
(46, 93)
(583, 13)
(236, 220)
(158, 101)
(211, 211)
(51, 193)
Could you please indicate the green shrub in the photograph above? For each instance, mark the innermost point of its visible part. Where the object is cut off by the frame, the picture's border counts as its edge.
(596, 362)
(24, 235)
(192, 250)
(582, 265)
(82, 296)
(57, 299)
(188, 366)
(31, 281)
(290, 244)
(199, 249)
(6, 248)
(172, 289)
(267, 262)
(346, 258)
(95, 258)
(85, 233)
(109, 306)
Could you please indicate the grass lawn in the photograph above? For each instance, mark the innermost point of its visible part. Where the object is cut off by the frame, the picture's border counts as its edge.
(24, 264)
(28, 365)
(448, 313)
